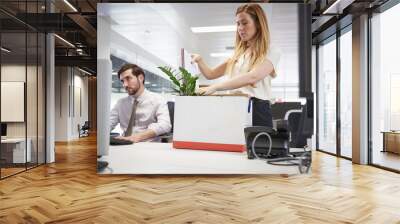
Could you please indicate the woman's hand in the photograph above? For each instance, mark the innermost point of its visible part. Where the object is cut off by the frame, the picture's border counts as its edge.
(196, 58)
(206, 90)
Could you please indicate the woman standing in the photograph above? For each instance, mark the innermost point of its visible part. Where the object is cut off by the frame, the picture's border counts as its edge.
(251, 67)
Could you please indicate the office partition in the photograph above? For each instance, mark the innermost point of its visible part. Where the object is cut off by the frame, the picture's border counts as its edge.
(22, 77)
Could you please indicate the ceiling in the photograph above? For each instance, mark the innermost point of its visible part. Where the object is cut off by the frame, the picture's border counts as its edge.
(76, 26)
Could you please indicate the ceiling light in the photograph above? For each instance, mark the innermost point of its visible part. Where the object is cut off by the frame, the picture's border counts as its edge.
(222, 54)
(65, 41)
(70, 5)
(5, 50)
(86, 72)
(153, 84)
(213, 29)
(337, 7)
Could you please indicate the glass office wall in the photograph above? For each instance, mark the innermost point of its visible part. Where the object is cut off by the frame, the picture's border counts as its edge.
(13, 145)
(13, 87)
(327, 95)
(346, 93)
(22, 89)
(385, 89)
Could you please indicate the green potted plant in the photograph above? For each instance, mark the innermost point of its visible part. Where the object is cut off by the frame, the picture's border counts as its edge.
(184, 81)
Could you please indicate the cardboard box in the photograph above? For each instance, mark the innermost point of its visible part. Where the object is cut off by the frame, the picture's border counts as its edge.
(211, 122)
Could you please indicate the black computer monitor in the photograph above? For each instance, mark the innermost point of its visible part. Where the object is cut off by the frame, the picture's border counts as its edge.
(3, 129)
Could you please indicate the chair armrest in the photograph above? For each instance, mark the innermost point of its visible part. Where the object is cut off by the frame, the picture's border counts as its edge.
(257, 129)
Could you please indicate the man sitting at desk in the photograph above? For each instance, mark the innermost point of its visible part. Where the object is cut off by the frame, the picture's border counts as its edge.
(142, 115)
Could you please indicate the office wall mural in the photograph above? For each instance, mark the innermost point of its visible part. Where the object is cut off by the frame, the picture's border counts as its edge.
(151, 53)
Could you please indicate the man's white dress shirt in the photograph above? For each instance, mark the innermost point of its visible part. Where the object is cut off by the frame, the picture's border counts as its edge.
(151, 113)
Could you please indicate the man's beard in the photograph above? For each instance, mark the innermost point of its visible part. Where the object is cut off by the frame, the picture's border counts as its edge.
(132, 91)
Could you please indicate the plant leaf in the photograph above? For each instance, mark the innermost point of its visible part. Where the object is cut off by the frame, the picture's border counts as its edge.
(183, 80)
(169, 72)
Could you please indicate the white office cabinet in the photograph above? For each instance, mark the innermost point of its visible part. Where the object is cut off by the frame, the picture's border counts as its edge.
(16, 148)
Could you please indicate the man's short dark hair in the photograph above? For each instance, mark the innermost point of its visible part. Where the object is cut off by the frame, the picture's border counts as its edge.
(136, 70)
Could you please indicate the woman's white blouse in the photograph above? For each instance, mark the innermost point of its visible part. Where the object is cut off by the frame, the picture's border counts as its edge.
(262, 89)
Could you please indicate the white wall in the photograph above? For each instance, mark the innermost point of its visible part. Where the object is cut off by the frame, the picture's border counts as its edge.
(12, 73)
(79, 117)
(61, 103)
(69, 82)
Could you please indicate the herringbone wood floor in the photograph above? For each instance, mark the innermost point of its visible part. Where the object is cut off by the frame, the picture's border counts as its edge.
(70, 191)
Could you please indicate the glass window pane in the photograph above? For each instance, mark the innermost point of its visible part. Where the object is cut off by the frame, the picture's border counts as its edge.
(385, 89)
(327, 96)
(346, 94)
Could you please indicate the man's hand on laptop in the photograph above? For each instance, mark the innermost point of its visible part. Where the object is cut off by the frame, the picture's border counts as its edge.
(132, 138)
(140, 136)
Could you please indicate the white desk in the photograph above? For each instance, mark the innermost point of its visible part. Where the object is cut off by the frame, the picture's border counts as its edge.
(161, 158)
(17, 150)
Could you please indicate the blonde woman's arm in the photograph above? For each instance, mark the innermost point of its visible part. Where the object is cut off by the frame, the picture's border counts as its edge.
(250, 78)
(208, 72)
(273, 73)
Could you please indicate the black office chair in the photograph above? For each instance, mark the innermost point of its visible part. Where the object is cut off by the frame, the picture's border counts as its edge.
(300, 128)
(84, 130)
(168, 136)
(273, 145)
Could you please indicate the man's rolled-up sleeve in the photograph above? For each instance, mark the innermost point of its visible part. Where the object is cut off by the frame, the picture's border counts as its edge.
(163, 124)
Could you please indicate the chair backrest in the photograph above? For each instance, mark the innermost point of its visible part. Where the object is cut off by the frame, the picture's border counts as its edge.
(86, 125)
(300, 127)
(171, 109)
(279, 110)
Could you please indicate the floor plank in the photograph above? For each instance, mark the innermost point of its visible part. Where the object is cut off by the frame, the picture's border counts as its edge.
(70, 191)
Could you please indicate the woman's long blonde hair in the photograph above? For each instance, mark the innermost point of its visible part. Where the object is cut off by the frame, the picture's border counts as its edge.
(262, 39)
